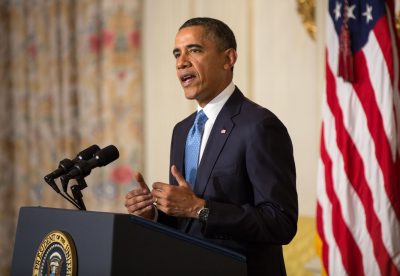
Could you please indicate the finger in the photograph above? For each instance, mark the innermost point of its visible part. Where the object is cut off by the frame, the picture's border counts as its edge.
(178, 176)
(160, 200)
(132, 208)
(136, 192)
(169, 210)
(143, 211)
(139, 178)
(147, 212)
(157, 193)
(160, 186)
(137, 202)
(138, 199)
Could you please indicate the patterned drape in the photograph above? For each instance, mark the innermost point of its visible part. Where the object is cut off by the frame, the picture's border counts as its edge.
(70, 77)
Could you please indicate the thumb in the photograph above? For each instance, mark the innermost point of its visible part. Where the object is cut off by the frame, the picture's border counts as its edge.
(139, 178)
(178, 176)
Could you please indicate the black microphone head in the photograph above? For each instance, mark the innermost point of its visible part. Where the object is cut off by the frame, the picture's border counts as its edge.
(82, 168)
(63, 167)
(66, 164)
(88, 153)
(107, 155)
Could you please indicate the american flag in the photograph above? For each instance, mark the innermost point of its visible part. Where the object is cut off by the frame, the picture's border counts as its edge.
(358, 191)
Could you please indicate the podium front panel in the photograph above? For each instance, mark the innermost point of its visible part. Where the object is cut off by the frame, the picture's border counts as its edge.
(120, 244)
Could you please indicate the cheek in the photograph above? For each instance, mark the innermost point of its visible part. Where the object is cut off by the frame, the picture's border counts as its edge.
(208, 70)
(213, 74)
(201, 71)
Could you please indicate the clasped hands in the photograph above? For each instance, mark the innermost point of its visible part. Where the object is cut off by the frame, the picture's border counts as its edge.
(179, 201)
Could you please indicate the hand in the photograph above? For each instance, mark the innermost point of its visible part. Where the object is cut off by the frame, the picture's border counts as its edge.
(178, 200)
(139, 201)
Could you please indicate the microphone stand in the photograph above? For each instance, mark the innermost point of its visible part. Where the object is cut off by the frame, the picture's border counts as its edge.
(76, 192)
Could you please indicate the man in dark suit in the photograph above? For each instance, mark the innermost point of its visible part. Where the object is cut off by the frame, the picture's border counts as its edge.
(241, 192)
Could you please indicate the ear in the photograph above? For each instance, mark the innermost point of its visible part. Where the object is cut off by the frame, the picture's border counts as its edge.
(231, 57)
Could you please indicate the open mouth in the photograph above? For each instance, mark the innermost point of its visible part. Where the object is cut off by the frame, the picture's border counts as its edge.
(186, 79)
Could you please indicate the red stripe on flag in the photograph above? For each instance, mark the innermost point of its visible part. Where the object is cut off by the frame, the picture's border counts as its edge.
(349, 251)
(355, 169)
(383, 152)
(381, 31)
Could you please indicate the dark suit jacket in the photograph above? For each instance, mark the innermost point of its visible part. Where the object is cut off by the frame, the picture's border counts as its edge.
(247, 175)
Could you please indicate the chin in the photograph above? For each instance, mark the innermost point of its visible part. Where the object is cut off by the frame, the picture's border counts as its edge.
(190, 94)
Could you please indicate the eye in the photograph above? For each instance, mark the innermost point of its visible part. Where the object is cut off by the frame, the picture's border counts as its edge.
(194, 50)
(176, 54)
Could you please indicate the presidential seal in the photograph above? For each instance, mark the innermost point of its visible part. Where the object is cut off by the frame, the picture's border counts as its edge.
(56, 256)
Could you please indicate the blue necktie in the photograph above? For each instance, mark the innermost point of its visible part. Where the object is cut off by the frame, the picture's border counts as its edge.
(192, 148)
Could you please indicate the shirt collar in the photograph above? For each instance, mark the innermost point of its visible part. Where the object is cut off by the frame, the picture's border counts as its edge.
(215, 105)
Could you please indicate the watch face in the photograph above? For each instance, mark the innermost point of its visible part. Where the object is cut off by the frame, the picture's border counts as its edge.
(203, 214)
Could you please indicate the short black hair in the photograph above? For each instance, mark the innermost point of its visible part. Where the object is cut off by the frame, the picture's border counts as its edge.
(218, 29)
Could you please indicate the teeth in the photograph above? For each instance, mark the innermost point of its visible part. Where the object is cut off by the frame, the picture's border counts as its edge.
(186, 77)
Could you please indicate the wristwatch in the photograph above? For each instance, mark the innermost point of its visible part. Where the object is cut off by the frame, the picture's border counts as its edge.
(202, 214)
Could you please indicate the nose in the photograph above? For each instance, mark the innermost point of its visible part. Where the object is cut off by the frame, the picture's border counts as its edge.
(182, 61)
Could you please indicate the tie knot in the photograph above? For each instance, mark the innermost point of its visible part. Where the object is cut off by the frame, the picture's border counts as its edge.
(201, 118)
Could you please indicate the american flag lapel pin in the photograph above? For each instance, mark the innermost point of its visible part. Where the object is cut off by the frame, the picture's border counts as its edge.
(223, 131)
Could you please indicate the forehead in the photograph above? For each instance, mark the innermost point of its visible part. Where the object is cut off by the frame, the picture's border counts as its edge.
(192, 35)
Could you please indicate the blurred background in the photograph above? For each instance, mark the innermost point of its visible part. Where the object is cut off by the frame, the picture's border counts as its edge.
(76, 73)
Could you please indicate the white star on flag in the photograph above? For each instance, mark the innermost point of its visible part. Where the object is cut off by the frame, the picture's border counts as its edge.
(337, 10)
(350, 12)
(368, 13)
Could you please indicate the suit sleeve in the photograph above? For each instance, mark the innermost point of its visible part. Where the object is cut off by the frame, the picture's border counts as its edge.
(271, 214)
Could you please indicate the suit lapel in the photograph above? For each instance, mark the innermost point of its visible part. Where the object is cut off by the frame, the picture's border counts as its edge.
(220, 132)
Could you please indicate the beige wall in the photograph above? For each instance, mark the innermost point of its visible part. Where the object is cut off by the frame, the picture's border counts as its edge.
(279, 67)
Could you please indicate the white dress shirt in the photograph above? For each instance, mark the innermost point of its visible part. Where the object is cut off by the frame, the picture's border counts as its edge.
(212, 110)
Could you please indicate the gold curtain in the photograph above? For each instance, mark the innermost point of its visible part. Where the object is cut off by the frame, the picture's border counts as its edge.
(70, 77)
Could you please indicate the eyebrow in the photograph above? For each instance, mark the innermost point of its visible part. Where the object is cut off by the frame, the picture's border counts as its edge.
(189, 46)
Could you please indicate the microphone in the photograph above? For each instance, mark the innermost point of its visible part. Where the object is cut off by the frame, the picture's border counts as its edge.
(66, 164)
(84, 167)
